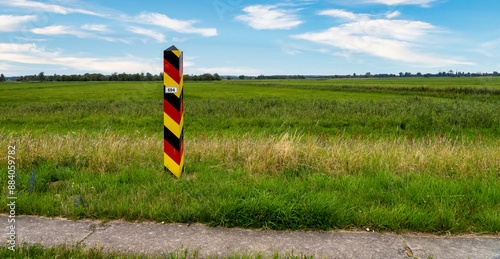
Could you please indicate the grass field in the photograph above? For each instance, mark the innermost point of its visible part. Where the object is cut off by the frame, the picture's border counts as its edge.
(399, 154)
(38, 251)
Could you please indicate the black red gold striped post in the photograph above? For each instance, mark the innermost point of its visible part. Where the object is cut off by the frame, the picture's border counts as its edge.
(173, 107)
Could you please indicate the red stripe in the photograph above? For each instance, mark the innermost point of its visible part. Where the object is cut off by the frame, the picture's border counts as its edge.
(172, 112)
(171, 71)
(172, 153)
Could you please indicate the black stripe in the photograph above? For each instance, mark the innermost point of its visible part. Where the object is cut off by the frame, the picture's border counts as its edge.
(175, 101)
(173, 47)
(172, 139)
(171, 58)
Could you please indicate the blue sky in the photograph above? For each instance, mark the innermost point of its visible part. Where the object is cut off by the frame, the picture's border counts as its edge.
(234, 37)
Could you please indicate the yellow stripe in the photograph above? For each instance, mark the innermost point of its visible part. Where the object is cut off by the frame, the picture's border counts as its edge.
(177, 53)
(172, 166)
(172, 125)
(168, 81)
(179, 90)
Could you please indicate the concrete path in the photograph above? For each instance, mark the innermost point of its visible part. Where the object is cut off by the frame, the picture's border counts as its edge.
(158, 239)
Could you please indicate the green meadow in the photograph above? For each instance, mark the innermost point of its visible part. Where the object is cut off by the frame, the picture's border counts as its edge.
(397, 154)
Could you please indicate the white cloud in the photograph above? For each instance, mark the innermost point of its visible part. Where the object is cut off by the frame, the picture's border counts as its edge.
(159, 37)
(60, 30)
(390, 39)
(32, 54)
(180, 26)
(12, 47)
(261, 17)
(423, 3)
(25, 39)
(187, 63)
(364, 24)
(9, 23)
(343, 14)
(6, 66)
(69, 30)
(152, 18)
(490, 48)
(43, 7)
(176, 39)
(397, 29)
(222, 70)
(291, 51)
(392, 14)
(291, 48)
(350, 16)
(95, 27)
(491, 44)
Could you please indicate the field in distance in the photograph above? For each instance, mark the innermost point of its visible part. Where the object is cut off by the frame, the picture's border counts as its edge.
(399, 154)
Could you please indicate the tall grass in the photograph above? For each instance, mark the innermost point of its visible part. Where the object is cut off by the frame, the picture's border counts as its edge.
(38, 251)
(296, 154)
(108, 152)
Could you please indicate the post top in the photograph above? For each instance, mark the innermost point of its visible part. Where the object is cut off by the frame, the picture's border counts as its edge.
(172, 48)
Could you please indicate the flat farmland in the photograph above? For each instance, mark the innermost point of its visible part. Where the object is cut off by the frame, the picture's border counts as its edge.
(398, 154)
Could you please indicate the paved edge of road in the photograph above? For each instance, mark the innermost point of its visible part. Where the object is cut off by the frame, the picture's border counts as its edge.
(158, 239)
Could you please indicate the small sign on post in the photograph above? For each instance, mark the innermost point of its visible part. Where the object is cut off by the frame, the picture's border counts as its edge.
(173, 107)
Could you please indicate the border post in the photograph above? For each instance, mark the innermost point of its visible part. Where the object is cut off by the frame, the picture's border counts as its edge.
(173, 107)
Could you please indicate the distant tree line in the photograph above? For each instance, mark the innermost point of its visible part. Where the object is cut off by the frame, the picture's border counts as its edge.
(41, 77)
(278, 77)
(216, 77)
(204, 77)
(91, 77)
(370, 75)
(409, 74)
